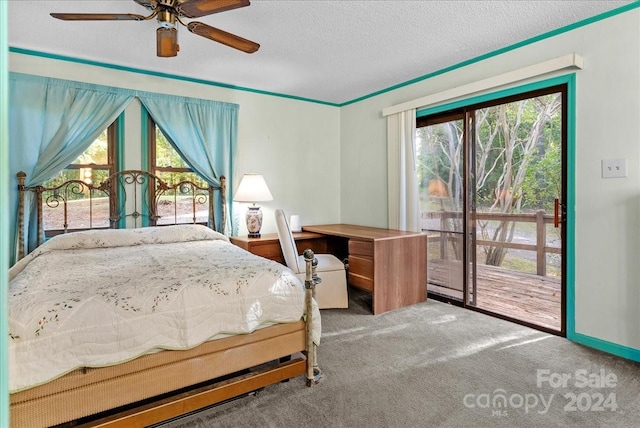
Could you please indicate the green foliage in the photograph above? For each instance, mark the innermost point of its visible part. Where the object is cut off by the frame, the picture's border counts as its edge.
(542, 183)
(166, 155)
(76, 191)
(97, 152)
(516, 163)
(439, 158)
(176, 177)
(91, 167)
(526, 139)
(517, 152)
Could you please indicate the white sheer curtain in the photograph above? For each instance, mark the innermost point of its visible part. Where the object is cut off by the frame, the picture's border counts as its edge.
(402, 189)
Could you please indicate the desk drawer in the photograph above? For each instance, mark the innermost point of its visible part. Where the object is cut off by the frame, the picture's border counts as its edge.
(269, 251)
(360, 282)
(360, 248)
(361, 272)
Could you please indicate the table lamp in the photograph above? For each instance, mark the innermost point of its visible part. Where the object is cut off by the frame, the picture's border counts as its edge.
(253, 189)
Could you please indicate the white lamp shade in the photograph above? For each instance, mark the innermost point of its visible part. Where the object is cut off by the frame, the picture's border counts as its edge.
(252, 188)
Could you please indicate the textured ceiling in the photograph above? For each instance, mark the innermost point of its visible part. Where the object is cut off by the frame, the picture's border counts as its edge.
(330, 51)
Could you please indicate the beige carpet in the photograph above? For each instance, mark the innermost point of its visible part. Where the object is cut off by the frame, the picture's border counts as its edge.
(436, 365)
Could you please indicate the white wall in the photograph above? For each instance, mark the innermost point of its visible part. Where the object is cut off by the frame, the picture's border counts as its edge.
(607, 211)
(294, 144)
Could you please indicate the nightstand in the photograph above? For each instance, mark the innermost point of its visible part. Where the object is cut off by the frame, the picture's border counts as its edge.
(268, 245)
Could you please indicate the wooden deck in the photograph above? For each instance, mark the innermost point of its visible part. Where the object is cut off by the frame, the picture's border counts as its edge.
(531, 298)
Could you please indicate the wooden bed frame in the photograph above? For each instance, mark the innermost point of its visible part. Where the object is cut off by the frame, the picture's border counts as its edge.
(159, 386)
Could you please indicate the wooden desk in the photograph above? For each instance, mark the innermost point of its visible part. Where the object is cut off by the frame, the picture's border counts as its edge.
(268, 245)
(391, 264)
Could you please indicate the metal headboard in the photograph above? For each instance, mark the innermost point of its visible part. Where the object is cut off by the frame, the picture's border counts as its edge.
(133, 194)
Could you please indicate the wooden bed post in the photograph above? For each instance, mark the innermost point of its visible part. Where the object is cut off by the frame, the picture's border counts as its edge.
(310, 282)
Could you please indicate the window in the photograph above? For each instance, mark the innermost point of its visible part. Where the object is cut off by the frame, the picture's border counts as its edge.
(85, 209)
(174, 206)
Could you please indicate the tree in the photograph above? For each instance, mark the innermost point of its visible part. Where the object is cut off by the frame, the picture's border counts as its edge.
(517, 164)
(439, 165)
(508, 139)
(166, 155)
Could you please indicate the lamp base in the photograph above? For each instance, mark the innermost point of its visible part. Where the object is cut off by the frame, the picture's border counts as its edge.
(254, 221)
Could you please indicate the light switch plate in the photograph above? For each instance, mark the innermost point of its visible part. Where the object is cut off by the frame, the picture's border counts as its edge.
(614, 168)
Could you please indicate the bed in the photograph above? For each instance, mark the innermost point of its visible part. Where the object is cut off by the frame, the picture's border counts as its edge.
(130, 327)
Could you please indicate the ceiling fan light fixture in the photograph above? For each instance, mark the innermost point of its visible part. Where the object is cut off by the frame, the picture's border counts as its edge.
(167, 42)
(167, 19)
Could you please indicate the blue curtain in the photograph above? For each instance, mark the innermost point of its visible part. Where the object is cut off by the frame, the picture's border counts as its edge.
(204, 133)
(52, 122)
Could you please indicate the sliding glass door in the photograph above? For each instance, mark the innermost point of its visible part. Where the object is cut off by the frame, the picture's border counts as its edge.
(441, 177)
(492, 187)
(515, 196)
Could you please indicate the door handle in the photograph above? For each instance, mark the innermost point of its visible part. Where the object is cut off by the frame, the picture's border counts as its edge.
(556, 212)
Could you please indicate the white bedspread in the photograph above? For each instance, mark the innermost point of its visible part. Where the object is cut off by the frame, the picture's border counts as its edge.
(98, 298)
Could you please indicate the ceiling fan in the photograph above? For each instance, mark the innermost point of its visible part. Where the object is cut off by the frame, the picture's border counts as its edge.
(168, 14)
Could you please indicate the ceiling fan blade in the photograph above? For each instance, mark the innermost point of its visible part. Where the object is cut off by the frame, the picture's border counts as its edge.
(98, 16)
(223, 37)
(167, 42)
(149, 4)
(198, 8)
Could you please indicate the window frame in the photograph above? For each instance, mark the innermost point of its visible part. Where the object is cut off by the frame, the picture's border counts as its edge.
(111, 167)
(155, 169)
(151, 147)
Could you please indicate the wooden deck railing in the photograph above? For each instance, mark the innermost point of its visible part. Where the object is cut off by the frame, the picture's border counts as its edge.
(539, 218)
